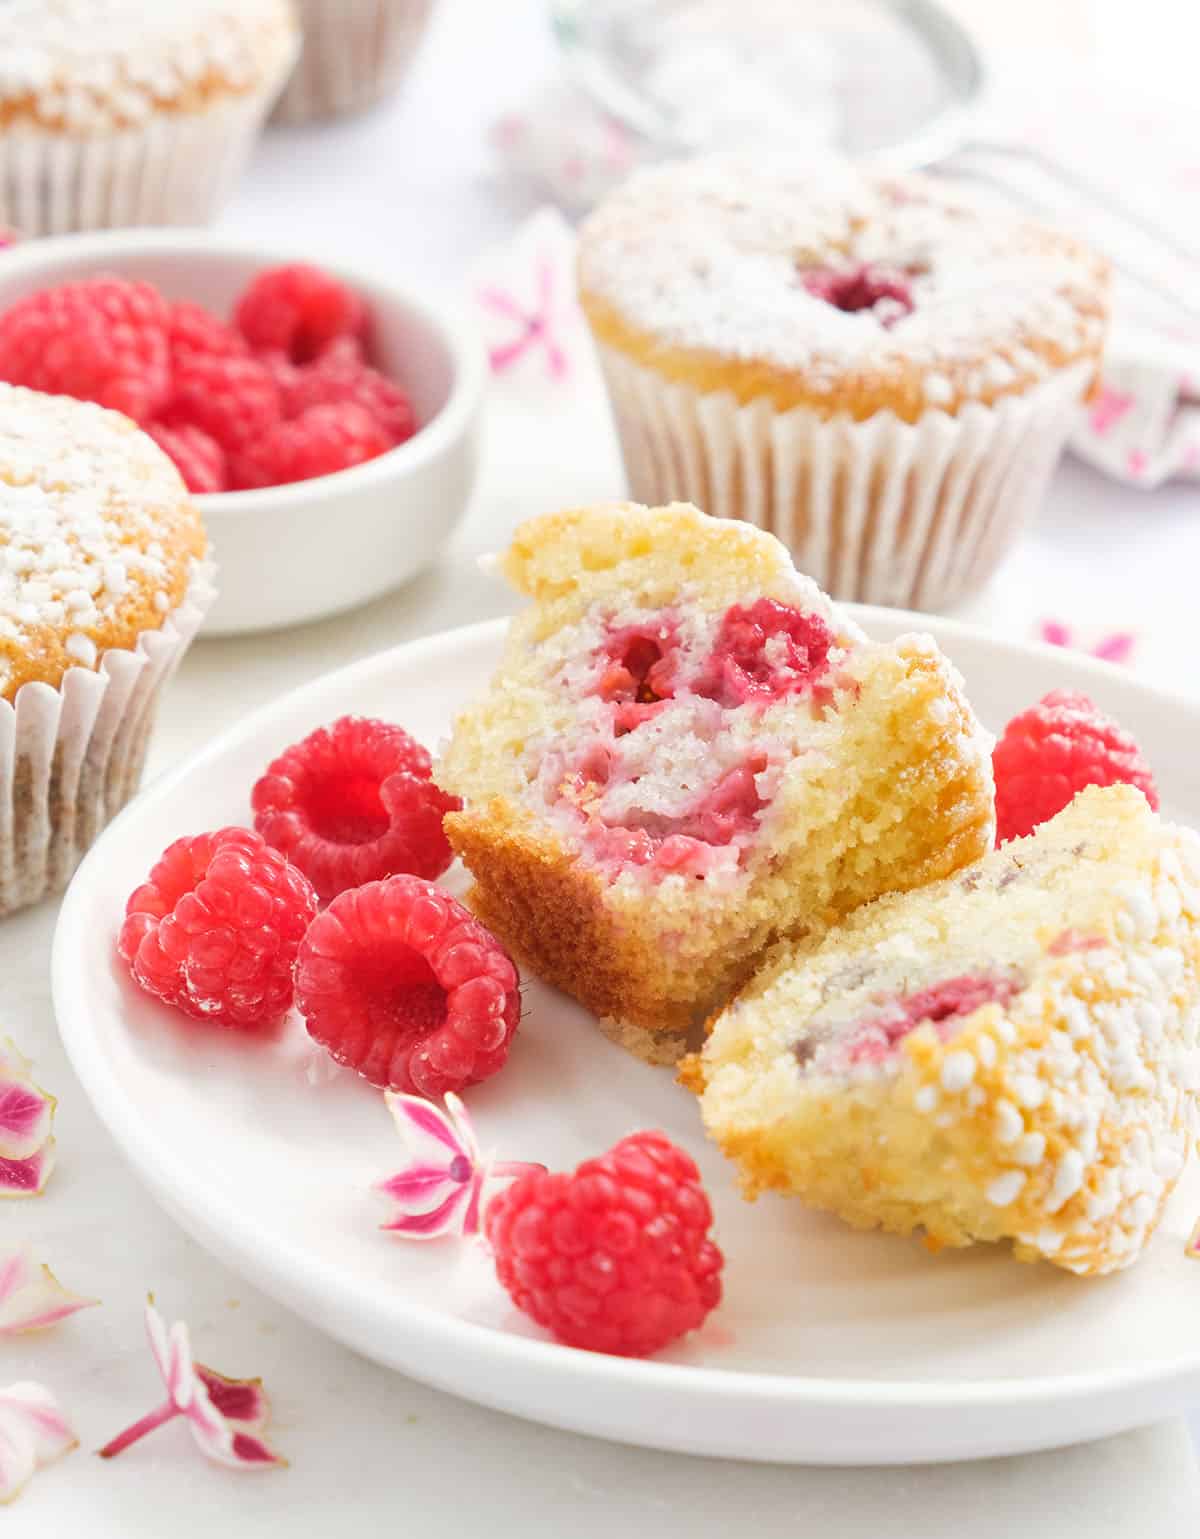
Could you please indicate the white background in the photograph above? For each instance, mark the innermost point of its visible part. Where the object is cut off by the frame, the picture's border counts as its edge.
(412, 188)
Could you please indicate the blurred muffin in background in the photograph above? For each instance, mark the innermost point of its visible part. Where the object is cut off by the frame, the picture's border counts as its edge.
(880, 373)
(123, 112)
(355, 53)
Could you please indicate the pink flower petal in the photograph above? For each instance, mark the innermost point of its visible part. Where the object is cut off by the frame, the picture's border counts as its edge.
(444, 1219)
(225, 1415)
(27, 1178)
(26, 1114)
(415, 1117)
(31, 1297)
(33, 1433)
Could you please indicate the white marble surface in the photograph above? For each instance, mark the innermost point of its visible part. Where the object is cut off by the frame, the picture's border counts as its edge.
(368, 1448)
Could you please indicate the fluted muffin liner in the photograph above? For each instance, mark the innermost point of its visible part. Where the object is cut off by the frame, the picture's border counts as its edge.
(916, 515)
(72, 756)
(175, 168)
(355, 52)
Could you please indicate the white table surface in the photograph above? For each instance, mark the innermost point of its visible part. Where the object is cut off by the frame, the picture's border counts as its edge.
(369, 1449)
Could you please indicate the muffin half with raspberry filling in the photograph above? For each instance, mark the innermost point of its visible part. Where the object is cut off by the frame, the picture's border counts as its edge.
(689, 753)
(1009, 1054)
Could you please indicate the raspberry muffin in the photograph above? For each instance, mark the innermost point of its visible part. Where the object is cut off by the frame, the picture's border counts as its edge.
(355, 53)
(103, 584)
(687, 753)
(1006, 1055)
(119, 112)
(877, 372)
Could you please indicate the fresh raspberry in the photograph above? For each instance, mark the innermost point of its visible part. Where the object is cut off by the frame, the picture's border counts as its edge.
(101, 339)
(318, 442)
(299, 309)
(193, 329)
(340, 375)
(198, 457)
(1053, 750)
(397, 980)
(616, 1257)
(866, 287)
(353, 803)
(215, 928)
(234, 400)
(764, 651)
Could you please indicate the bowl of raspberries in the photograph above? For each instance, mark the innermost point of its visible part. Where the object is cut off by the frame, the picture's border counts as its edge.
(326, 420)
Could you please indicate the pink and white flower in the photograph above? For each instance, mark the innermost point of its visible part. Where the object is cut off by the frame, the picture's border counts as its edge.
(31, 1297)
(226, 1416)
(440, 1190)
(26, 1120)
(33, 1433)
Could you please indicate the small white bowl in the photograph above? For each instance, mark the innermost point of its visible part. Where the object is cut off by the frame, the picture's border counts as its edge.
(286, 554)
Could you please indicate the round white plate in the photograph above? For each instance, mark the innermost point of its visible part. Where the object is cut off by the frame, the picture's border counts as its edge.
(830, 1347)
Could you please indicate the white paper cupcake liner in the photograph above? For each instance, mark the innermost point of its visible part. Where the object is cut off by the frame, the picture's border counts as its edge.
(176, 168)
(354, 53)
(916, 515)
(71, 757)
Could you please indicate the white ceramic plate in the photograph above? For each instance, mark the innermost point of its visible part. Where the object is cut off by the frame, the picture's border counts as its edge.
(831, 1346)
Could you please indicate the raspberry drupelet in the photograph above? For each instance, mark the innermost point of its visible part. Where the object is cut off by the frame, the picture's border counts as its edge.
(354, 803)
(300, 310)
(615, 1257)
(399, 982)
(215, 928)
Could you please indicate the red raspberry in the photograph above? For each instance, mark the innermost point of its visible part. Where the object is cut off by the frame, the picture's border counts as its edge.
(863, 288)
(340, 375)
(318, 442)
(215, 928)
(353, 803)
(299, 309)
(193, 329)
(397, 980)
(199, 458)
(102, 339)
(763, 652)
(1053, 750)
(233, 399)
(615, 1258)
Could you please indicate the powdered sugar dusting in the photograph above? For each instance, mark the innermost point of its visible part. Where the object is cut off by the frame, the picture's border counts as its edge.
(84, 502)
(90, 65)
(712, 256)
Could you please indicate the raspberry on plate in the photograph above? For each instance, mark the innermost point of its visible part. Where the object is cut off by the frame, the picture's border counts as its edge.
(316, 443)
(340, 375)
(198, 457)
(215, 928)
(1054, 749)
(101, 339)
(353, 803)
(233, 399)
(616, 1257)
(299, 309)
(398, 981)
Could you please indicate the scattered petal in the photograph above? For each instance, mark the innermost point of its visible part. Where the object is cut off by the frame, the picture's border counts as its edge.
(33, 1433)
(226, 1416)
(26, 1121)
(31, 1297)
(1192, 1248)
(440, 1190)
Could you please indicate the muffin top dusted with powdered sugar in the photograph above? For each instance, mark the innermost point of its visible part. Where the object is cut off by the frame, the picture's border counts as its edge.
(835, 288)
(92, 66)
(99, 539)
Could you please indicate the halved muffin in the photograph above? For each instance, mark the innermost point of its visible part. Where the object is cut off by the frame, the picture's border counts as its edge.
(1010, 1053)
(688, 752)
